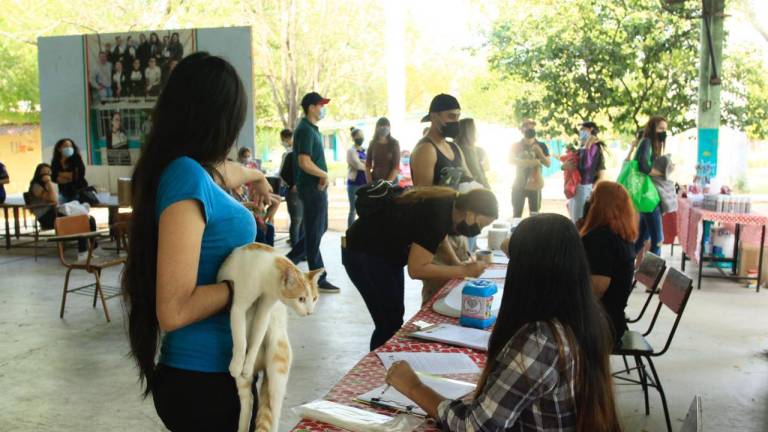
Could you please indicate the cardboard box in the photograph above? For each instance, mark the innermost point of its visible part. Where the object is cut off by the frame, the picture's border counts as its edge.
(749, 256)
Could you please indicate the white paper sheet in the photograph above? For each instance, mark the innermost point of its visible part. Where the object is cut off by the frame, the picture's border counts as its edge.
(456, 335)
(432, 363)
(355, 419)
(451, 389)
(499, 258)
(494, 273)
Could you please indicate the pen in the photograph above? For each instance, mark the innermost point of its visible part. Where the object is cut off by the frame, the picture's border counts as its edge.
(385, 389)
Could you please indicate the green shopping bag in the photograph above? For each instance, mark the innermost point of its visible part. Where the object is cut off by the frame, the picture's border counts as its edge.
(641, 189)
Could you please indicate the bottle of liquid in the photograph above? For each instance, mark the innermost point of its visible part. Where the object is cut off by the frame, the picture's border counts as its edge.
(476, 302)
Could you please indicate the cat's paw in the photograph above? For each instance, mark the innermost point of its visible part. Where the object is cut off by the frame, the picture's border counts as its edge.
(236, 367)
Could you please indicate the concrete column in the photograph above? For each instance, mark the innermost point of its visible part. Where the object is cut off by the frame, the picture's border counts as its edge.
(395, 58)
(709, 82)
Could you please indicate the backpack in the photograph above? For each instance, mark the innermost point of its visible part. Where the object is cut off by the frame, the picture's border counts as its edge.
(374, 197)
(286, 171)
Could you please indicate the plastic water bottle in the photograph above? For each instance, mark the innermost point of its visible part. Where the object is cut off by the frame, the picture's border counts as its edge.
(476, 302)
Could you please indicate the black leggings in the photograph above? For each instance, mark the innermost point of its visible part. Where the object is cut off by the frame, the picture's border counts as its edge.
(198, 401)
(382, 285)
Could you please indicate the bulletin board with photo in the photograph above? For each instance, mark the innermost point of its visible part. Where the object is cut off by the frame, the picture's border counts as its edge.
(125, 73)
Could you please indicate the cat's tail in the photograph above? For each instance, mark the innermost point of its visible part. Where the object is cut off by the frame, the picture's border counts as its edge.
(264, 417)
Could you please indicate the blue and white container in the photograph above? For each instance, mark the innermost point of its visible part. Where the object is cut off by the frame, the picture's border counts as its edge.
(476, 302)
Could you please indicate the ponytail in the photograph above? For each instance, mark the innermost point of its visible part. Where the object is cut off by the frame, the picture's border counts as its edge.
(480, 201)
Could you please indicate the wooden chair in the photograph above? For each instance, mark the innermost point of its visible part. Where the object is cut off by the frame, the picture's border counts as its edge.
(121, 229)
(70, 228)
(37, 227)
(649, 274)
(674, 295)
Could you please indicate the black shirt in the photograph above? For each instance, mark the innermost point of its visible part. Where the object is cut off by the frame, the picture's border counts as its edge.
(609, 255)
(389, 233)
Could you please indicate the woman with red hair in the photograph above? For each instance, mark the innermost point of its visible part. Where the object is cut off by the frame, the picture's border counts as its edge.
(608, 233)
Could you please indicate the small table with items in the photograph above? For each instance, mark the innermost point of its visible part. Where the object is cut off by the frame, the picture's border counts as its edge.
(369, 373)
(750, 228)
(15, 203)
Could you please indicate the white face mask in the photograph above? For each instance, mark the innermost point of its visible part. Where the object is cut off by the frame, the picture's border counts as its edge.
(323, 112)
(68, 152)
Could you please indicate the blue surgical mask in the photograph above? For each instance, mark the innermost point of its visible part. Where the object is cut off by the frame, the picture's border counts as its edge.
(583, 136)
(68, 152)
(323, 112)
(405, 161)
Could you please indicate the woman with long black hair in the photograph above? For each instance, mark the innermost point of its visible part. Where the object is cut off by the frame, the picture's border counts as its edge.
(547, 367)
(184, 225)
(650, 148)
(68, 169)
(383, 159)
(410, 232)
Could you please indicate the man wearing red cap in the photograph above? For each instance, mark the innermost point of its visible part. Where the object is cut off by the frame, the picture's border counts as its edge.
(311, 184)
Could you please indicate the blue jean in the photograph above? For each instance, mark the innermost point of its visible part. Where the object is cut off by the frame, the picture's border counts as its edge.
(315, 222)
(382, 285)
(351, 189)
(650, 227)
(266, 237)
(296, 214)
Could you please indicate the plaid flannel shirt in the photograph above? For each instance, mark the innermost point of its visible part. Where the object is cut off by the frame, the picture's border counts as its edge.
(526, 391)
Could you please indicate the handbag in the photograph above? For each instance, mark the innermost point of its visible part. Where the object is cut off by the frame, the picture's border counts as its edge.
(88, 195)
(572, 176)
(640, 187)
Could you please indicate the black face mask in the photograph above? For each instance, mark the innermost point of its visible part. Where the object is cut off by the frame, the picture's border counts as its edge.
(662, 136)
(530, 133)
(358, 141)
(450, 130)
(463, 228)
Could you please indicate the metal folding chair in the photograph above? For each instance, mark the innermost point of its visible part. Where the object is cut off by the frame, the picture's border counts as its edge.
(674, 294)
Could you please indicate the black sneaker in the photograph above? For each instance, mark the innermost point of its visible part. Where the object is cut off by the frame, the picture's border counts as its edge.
(327, 287)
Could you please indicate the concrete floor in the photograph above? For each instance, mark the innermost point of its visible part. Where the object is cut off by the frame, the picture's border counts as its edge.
(74, 374)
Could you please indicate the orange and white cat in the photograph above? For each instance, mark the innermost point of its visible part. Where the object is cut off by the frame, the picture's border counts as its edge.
(265, 282)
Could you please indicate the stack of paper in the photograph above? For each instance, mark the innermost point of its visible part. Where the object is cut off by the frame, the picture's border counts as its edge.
(432, 363)
(455, 335)
(392, 398)
(494, 273)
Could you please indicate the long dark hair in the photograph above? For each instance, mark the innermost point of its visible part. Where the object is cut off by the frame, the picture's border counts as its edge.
(36, 177)
(650, 132)
(548, 280)
(383, 121)
(74, 162)
(467, 133)
(199, 114)
(480, 201)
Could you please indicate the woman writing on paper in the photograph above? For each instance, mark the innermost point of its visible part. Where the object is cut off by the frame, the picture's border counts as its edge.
(409, 231)
(547, 365)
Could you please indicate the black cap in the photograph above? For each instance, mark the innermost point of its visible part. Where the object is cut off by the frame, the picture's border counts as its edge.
(440, 103)
(313, 98)
(591, 125)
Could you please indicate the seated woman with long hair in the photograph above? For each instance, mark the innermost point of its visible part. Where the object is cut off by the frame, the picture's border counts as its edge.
(547, 367)
(608, 232)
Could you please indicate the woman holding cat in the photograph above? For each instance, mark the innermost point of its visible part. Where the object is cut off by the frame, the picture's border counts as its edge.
(410, 232)
(184, 226)
(547, 366)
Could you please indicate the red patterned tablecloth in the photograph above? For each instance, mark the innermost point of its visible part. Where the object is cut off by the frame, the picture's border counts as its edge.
(369, 372)
(689, 226)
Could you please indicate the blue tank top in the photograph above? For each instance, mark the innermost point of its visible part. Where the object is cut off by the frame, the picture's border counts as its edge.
(206, 345)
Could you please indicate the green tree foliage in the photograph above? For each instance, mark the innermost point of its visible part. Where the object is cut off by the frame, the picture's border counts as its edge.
(617, 62)
(745, 92)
